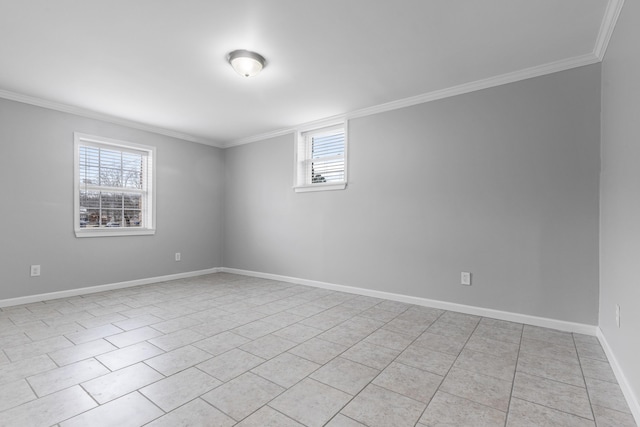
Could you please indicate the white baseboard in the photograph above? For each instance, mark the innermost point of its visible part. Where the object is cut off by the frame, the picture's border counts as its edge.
(479, 311)
(101, 288)
(632, 399)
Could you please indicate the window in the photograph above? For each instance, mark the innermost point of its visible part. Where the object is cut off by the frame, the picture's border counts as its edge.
(321, 159)
(113, 187)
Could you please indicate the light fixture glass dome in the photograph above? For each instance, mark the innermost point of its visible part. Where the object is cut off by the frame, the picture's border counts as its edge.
(246, 63)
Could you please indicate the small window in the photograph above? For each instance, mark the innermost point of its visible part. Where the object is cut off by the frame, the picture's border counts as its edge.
(321, 159)
(114, 187)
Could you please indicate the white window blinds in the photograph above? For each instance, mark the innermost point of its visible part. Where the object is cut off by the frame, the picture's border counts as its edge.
(113, 186)
(321, 158)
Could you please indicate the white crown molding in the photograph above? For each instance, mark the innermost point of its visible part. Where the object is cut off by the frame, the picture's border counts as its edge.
(611, 14)
(527, 73)
(443, 305)
(632, 399)
(101, 288)
(258, 138)
(83, 112)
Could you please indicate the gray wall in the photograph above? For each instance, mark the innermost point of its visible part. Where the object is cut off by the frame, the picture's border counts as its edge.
(502, 182)
(620, 194)
(36, 171)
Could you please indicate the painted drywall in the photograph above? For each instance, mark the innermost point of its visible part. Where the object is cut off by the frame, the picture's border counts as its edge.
(36, 172)
(620, 195)
(502, 182)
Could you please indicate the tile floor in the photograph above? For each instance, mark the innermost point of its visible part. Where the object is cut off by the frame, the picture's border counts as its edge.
(224, 350)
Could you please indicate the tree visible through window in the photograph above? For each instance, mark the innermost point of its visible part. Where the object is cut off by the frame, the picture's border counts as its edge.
(321, 159)
(113, 186)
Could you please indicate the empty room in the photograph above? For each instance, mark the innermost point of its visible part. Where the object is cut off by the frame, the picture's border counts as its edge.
(319, 213)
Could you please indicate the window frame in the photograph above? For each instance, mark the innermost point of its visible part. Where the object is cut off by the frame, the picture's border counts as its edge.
(302, 156)
(149, 196)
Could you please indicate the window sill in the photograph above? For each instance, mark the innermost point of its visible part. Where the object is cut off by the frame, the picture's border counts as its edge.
(320, 187)
(105, 232)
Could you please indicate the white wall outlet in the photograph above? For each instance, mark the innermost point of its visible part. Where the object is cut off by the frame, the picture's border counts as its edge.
(35, 270)
(465, 278)
(618, 315)
(178, 256)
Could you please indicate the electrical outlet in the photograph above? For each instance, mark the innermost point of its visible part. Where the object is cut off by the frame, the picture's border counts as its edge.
(618, 315)
(35, 270)
(465, 278)
(178, 257)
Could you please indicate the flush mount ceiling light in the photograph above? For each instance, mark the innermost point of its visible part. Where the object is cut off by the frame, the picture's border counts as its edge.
(246, 63)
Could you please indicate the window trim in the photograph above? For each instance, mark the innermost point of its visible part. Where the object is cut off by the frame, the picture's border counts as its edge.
(300, 154)
(92, 140)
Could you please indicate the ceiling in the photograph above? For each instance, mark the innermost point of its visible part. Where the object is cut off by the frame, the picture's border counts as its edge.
(161, 64)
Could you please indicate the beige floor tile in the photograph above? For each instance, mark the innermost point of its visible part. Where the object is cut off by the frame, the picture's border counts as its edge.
(131, 410)
(606, 417)
(129, 355)
(268, 346)
(124, 381)
(243, 395)
(268, 417)
(221, 343)
(104, 319)
(82, 351)
(67, 376)
(412, 328)
(14, 394)
(389, 339)
(408, 381)
(22, 369)
(195, 413)
(310, 402)
(13, 340)
(283, 319)
(371, 355)
(317, 350)
(486, 364)
(297, 333)
(93, 334)
(591, 351)
(498, 334)
(342, 421)
(598, 370)
(231, 364)
(548, 335)
(553, 369)
(314, 353)
(452, 330)
(378, 407)
(462, 319)
(606, 395)
(502, 324)
(553, 394)
(178, 360)
(479, 388)
(180, 388)
(441, 343)
(135, 336)
(173, 325)
(379, 314)
(523, 413)
(285, 369)
(49, 410)
(255, 329)
(37, 348)
(448, 410)
(345, 375)
(177, 339)
(427, 360)
(548, 349)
